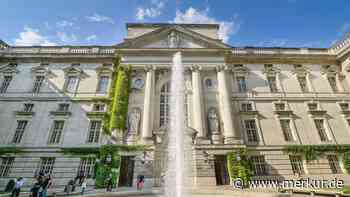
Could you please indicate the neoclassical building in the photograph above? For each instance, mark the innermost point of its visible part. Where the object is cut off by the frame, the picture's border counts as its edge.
(262, 99)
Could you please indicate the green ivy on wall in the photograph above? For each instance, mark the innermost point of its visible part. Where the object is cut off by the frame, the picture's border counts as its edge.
(104, 170)
(314, 152)
(119, 95)
(239, 166)
(10, 150)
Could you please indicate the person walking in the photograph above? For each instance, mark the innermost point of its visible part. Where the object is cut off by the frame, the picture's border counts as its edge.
(46, 185)
(109, 184)
(18, 186)
(83, 186)
(140, 182)
(35, 189)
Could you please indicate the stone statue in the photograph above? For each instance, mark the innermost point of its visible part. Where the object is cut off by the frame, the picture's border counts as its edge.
(213, 120)
(134, 121)
(214, 128)
(173, 40)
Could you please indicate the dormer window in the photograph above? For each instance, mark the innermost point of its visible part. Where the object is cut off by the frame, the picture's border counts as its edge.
(28, 107)
(63, 107)
(99, 107)
(246, 107)
(280, 107)
(344, 106)
(241, 83)
(312, 106)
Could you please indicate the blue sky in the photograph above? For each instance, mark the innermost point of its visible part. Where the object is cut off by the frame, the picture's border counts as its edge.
(284, 23)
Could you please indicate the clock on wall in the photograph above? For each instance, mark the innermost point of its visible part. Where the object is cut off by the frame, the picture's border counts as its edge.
(137, 83)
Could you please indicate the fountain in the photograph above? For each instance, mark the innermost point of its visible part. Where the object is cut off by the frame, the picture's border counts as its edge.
(176, 172)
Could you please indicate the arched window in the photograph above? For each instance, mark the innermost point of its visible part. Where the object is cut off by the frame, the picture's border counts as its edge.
(164, 104)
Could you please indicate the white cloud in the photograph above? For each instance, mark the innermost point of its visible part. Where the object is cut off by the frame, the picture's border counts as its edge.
(192, 15)
(32, 36)
(100, 18)
(273, 43)
(66, 38)
(156, 9)
(91, 37)
(64, 23)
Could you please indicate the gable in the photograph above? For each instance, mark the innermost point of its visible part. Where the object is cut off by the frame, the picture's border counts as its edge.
(172, 37)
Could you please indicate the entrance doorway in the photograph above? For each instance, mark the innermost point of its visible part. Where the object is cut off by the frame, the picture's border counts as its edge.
(126, 171)
(221, 172)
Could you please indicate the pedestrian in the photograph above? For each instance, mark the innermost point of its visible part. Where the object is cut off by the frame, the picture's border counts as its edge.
(18, 185)
(69, 186)
(83, 186)
(46, 185)
(109, 184)
(35, 189)
(140, 182)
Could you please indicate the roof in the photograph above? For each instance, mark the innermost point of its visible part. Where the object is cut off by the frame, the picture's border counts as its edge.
(216, 26)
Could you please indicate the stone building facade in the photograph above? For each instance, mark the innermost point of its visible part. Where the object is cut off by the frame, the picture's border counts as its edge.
(259, 98)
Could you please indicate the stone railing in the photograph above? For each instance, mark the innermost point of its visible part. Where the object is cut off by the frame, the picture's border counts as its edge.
(341, 45)
(279, 51)
(59, 50)
(82, 50)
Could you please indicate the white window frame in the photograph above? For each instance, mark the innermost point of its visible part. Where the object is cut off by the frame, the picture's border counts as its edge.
(93, 140)
(98, 91)
(5, 84)
(6, 166)
(256, 132)
(76, 85)
(262, 165)
(300, 166)
(338, 166)
(326, 129)
(46, 164)
(164, 106)
(291, 128)
(86, 165)
(58, 135)
(93, 109)
(18, 140)
(37, 84)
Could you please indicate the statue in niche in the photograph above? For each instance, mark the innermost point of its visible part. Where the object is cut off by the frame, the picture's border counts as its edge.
(173, 40)
(134, 121)
(213, 121)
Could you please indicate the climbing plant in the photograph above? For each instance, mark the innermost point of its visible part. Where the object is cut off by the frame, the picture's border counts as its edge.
(314, 152)
(10, 150)
(103, 169)
(239, 166)
(119, 95)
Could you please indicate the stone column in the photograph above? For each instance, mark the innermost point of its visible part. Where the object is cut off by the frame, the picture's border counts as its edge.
(147, 117)
(198, 107)
(230, 135)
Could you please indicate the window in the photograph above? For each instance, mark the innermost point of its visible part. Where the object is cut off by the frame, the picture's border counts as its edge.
(46, 165)
(280, 106)
(344, 106)
(6, 165)
(333, 83)
(259, 165)
(297, 164)
(5, 84)
(209, 83)
(272, 84)
(94, 131)
(63, 107)
(28, 107)
(287, 131)
(56, 131)
(71, 84)
(241, 83)
(303, 84)
(99, 107)
(102, 84)
(37, 83)
(246, 107)
(252, 133)
(312, 106)
(164, 105)
(21, 126)
(86, 167)
(319, 123)
(334, 164)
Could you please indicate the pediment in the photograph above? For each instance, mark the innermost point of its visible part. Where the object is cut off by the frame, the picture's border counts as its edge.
(172, 37)
(9, 69)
